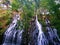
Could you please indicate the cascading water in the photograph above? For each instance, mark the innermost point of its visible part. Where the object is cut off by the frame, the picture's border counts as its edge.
(50, 37)
(13, 36)
(41, 37)
(52, 34)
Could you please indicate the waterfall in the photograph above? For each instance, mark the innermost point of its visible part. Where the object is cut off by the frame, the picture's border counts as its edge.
(52, 34)
(41, 37)
(13, 36)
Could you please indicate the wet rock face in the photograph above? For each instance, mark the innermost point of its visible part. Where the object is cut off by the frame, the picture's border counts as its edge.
(33, 32)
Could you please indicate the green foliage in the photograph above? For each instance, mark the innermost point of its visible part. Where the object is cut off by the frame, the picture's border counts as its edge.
(15, 5)
(5, 21)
